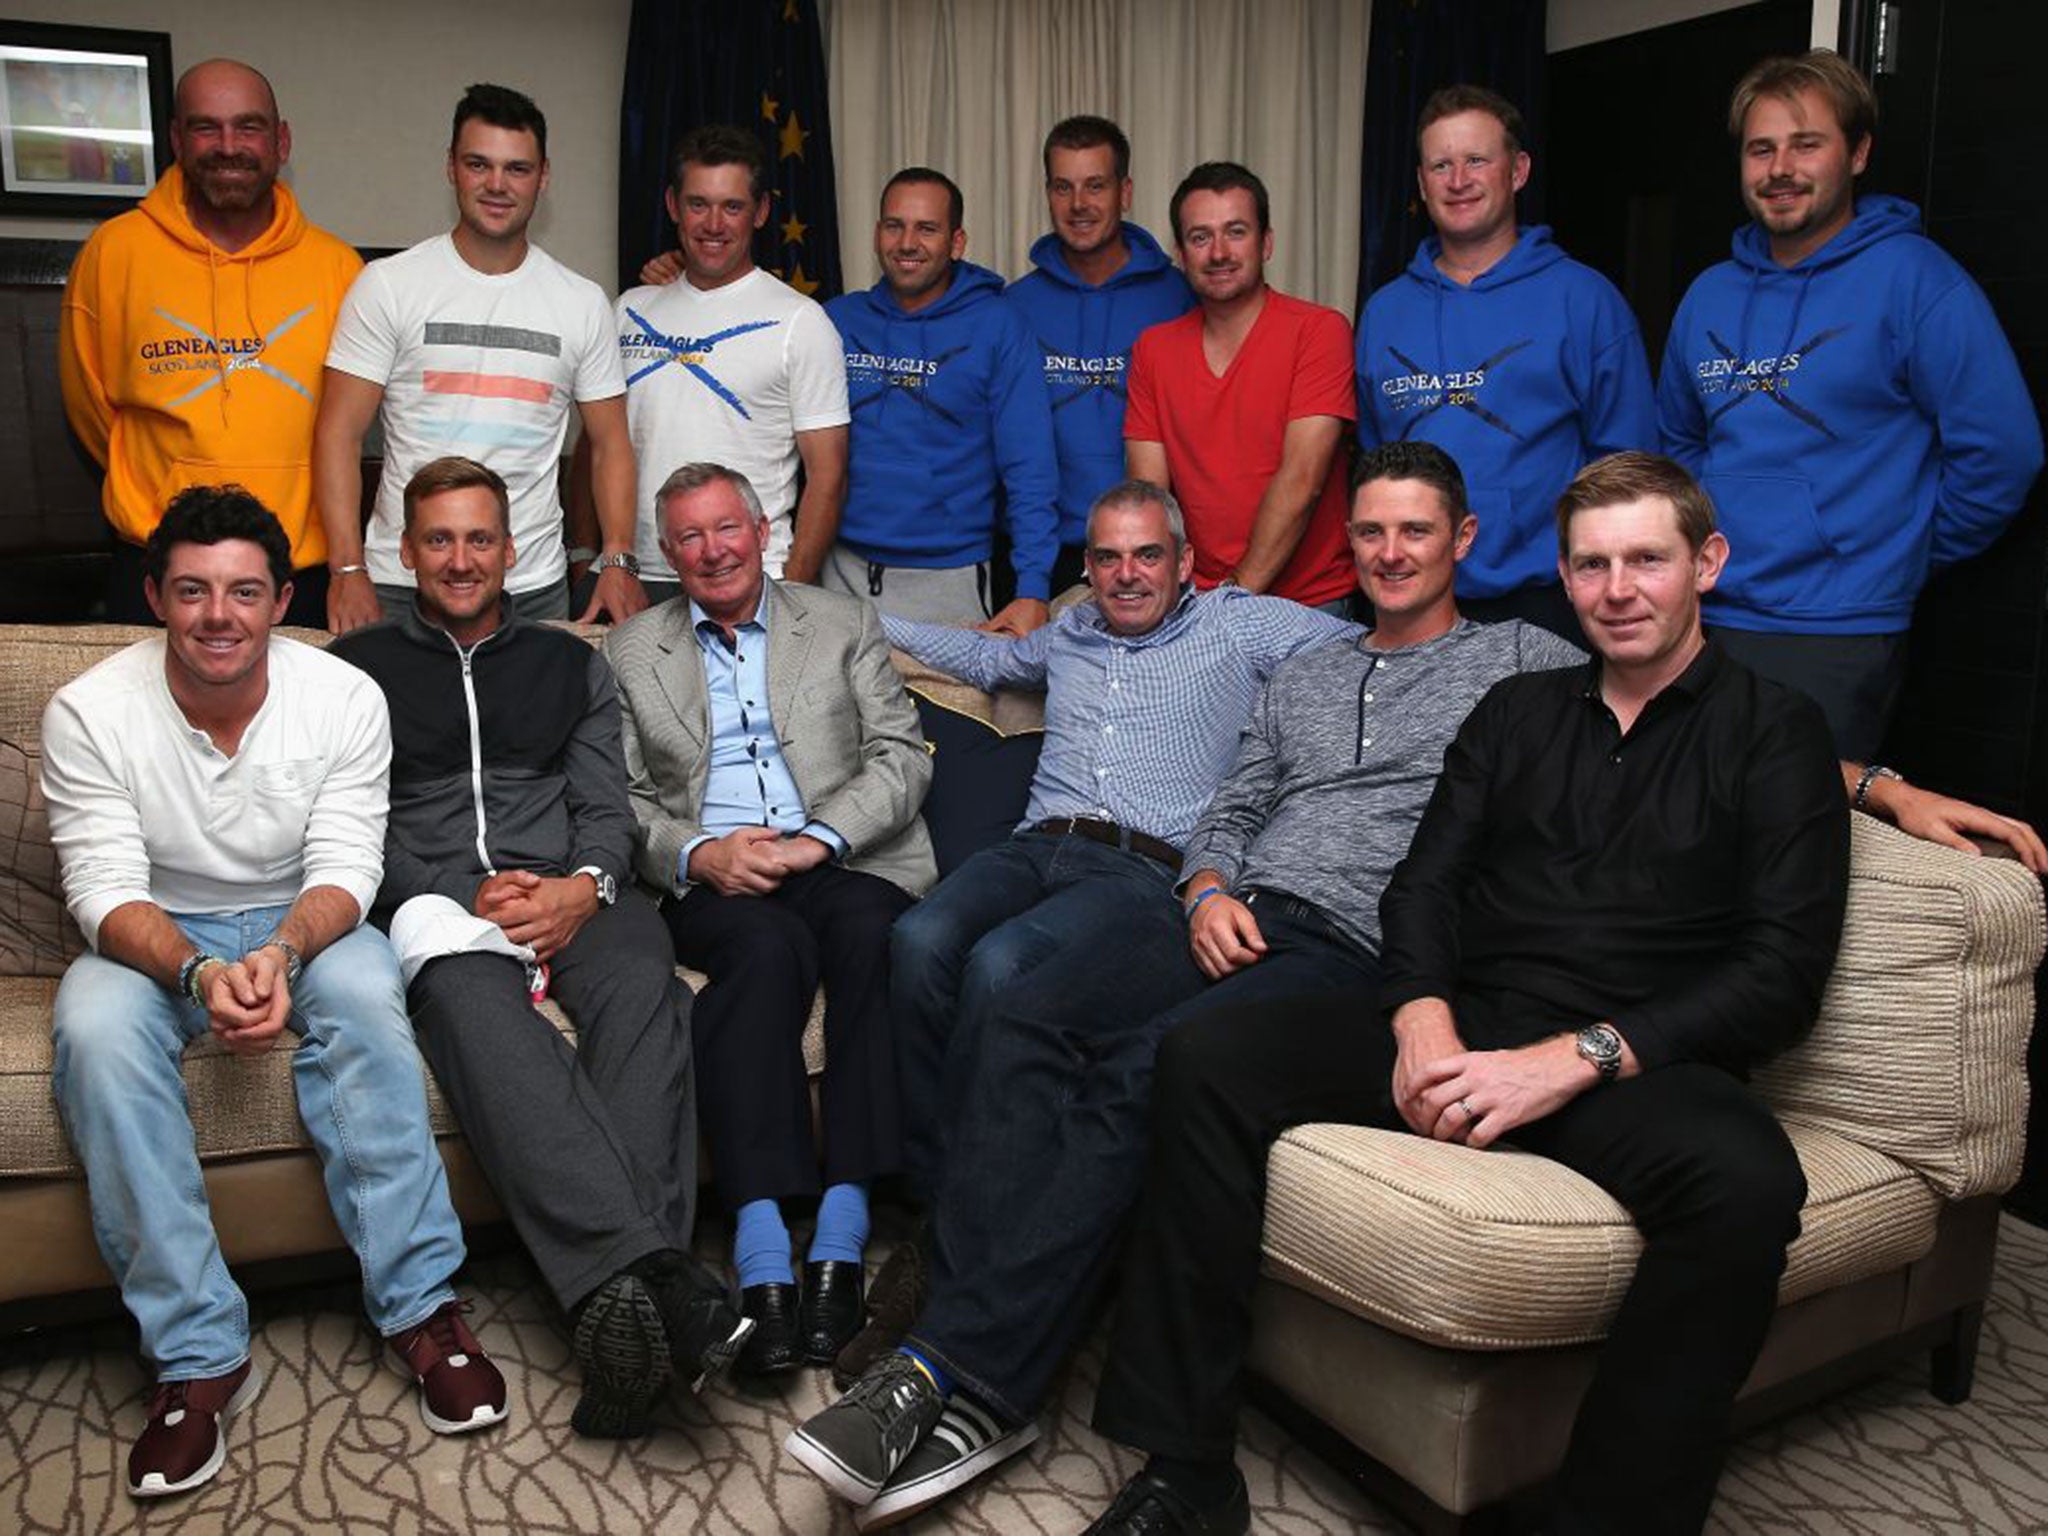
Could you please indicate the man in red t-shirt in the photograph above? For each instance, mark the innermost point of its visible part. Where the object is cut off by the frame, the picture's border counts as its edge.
(1239, 405)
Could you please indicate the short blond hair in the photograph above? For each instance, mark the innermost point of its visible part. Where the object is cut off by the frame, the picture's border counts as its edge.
(1820, 70)
(1621, 478)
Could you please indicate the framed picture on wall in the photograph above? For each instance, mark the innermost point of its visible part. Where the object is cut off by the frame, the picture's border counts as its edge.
(84, 117)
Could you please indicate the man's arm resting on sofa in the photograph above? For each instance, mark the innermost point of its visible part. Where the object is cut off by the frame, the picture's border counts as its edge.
(1942, 819)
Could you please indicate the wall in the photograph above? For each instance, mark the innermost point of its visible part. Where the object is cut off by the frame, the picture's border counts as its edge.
(368, 87)
(1573, 23)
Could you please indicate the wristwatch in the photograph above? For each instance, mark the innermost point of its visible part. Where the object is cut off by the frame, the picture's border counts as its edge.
(1871, 775)
(623, 559)
(607, 887)
(294, 967)
(1601, 1045)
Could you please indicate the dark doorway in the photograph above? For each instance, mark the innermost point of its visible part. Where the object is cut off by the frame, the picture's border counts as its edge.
(1641, 172)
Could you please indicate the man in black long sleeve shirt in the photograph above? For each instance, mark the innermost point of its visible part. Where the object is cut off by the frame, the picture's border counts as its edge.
(1628, 888)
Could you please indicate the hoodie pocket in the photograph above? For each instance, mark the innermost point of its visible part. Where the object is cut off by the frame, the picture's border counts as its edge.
(1779, 556)
(285, 486)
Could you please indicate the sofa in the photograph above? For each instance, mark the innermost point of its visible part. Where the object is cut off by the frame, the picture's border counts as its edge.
(1428, 1313)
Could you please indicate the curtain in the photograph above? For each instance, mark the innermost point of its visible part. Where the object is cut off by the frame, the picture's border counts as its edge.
(756, 64)
(1418, 46)
(971, 86)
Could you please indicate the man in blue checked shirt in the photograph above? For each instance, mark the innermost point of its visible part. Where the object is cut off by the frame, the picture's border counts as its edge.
(1060, 939)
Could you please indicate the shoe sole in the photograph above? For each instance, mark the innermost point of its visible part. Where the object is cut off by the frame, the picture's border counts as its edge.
(830, 1470)
(622, 1345)
(153, 1485)
(718, 1359)
(894, 1505)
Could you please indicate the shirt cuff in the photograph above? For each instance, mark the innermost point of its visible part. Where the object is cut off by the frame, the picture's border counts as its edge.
(824, 834)
(683, 880)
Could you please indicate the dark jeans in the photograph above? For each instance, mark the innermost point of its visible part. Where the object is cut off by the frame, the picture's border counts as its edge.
(1854, 678)
(1041, 1174)
(1698, 1161)
(126, 603)
(593, 1150)
(765, 956)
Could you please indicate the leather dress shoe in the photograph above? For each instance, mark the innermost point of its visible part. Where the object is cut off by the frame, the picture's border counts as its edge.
(1150, 1505)
(833, 1308)
(774, 1346)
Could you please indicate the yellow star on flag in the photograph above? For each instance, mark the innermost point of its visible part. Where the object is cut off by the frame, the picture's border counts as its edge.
(793, 230)
(799, 282)
(793, 136)
(769, 107)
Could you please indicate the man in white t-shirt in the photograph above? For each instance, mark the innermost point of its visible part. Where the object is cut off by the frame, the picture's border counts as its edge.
(476, 342)
(730, 365)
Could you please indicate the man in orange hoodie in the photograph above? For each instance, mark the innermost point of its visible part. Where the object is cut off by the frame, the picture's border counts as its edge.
(194, 331)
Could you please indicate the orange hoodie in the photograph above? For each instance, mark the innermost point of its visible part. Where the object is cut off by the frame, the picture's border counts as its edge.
(184, 365)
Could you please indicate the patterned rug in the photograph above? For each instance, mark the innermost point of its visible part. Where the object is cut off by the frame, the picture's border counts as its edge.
(334, 1443)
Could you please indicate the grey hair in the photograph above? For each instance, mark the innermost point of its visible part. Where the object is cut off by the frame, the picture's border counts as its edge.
(1127, 493)
(694, 477)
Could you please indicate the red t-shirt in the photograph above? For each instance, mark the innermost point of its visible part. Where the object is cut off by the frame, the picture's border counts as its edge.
(1223, 435)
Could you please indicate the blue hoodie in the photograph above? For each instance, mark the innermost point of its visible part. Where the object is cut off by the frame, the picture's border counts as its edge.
(1524, 376)
(948, 417)
(1858, 418)
(1085, 332)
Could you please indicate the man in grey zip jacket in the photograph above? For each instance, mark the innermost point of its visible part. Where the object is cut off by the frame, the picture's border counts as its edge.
(508, 845)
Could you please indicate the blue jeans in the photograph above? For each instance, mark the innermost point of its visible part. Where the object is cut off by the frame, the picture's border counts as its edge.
(1042, 1173)
(119, 1037)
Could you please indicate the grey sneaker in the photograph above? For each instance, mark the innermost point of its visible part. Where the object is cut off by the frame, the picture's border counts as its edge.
(855, 1445)
(966, 1442)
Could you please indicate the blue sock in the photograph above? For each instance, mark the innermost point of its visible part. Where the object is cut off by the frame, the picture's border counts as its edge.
(938, 1377)
(760, 1246)
(842, 1224)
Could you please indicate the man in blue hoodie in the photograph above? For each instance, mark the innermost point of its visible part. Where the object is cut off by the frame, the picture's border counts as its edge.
(1843, 390)
(1519, 362)
(950, 423)
(1100, 281)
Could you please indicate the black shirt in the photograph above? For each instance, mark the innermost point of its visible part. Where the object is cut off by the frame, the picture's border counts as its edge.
(1685, 881)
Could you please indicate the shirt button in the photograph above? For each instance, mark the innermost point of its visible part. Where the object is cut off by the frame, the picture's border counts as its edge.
(1114, 686)
(1109, 730)
(1368, 699)
(1365, 742)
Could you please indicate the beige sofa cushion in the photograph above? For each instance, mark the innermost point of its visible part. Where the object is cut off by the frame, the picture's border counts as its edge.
(1503, 1249)
(37, 935)
(1920, 1051)
(239, 1104)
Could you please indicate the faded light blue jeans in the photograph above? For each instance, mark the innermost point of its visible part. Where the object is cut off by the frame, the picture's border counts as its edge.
(119, 1037)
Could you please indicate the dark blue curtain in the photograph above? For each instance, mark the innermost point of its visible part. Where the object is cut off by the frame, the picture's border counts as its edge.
(1418, 46)
(757, 64)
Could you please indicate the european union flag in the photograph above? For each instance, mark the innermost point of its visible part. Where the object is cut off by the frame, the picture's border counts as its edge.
(756, 64)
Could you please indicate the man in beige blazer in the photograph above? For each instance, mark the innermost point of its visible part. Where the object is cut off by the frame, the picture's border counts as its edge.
(776, 771)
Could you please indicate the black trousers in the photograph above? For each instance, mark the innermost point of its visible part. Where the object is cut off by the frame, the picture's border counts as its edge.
(1698, 1161)
(593, 1150)
(765, 956)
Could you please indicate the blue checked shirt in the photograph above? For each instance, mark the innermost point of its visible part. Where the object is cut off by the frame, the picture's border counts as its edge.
(1139, 729)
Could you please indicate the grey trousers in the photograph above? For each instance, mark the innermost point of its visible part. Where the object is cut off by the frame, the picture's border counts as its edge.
(958, 595)
(591, 1150)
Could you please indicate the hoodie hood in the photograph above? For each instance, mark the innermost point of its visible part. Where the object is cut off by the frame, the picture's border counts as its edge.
(970, 285)
(1084, 332)
(1876, 218)
(165, 204)
(1144, 264)
(1533, 252)
(1524, 375)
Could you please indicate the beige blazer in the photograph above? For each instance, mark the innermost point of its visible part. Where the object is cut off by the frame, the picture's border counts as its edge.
(848, 731)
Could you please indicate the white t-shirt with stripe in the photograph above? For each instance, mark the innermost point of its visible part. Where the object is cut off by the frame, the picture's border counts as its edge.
(484, 365)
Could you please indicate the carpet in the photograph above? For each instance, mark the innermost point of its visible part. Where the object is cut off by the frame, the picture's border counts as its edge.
(334, 1443)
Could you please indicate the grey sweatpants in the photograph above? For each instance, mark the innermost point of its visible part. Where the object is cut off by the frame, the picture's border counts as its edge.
(592, 1150)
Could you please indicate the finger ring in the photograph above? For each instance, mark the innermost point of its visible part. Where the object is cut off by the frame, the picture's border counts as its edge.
(1470, 1112)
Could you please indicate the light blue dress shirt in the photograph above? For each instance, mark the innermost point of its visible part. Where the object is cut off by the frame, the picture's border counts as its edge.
(749, 784)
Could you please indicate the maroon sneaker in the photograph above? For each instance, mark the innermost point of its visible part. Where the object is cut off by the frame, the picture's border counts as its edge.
(460, 1389)
(186, 1439)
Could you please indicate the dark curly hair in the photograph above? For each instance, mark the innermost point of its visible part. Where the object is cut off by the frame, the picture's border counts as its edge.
(211, 514)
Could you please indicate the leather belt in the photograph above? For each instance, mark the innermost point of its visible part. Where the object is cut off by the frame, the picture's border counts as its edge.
(1114, 836)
